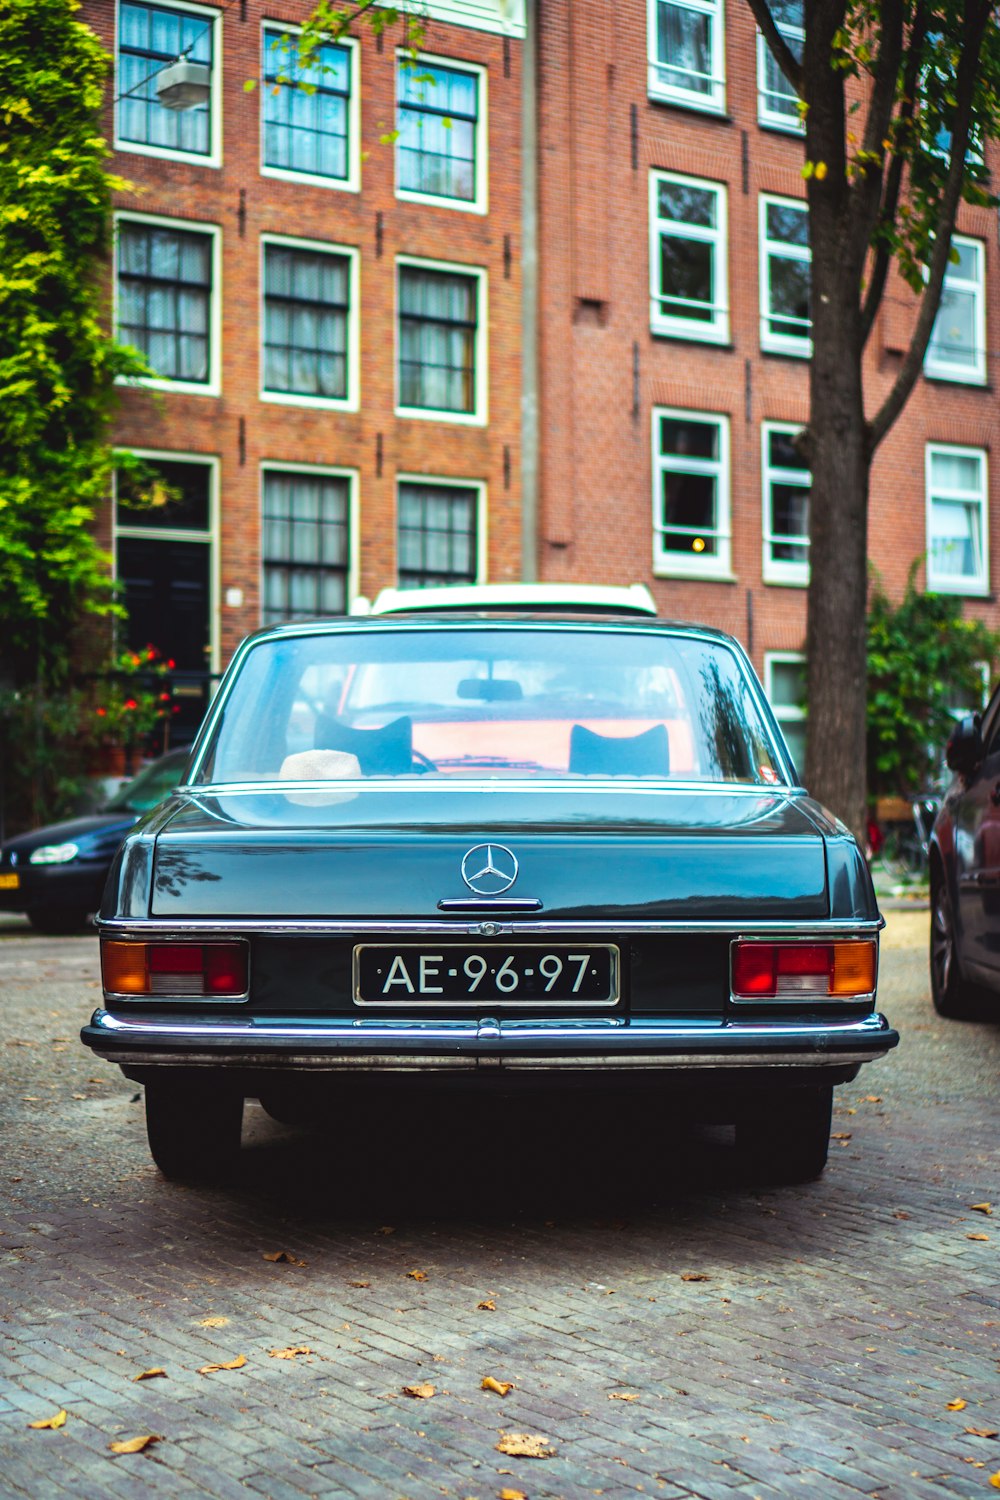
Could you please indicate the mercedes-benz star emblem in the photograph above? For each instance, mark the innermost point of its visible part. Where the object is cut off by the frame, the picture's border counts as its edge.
(489, 869)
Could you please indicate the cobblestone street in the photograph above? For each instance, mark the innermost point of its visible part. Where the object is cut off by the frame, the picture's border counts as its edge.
(667, 1332)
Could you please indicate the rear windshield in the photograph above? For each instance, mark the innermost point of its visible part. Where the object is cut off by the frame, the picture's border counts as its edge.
(452, 702)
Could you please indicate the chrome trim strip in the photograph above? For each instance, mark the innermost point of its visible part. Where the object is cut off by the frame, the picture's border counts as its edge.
(821, 928)
(375, 1062)
(490, 903)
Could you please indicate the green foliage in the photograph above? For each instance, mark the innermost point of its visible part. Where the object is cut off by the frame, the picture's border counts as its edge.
(57, 364)
(51, 741)
(924, 661)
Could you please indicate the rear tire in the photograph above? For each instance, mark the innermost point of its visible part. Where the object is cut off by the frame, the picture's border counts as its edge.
(193, 1127)
(952, 994)
(786, 1137)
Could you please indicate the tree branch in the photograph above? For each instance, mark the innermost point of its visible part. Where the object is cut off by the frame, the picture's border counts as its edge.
(780, 50)
(977, 18)
(866, 194)
(894, 177)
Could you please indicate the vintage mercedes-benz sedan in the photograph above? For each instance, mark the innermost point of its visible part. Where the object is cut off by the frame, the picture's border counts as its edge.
(493, 845)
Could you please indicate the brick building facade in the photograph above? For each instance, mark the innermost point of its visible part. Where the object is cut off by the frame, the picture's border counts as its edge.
(564, 334)
(674, 339)
(334, 318)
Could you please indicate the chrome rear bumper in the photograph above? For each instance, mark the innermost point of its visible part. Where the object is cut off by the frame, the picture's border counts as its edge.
(607, 1043)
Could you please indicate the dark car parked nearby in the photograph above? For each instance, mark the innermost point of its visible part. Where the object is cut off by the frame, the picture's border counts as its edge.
(965, 873)
(497, 845)
(57, 874)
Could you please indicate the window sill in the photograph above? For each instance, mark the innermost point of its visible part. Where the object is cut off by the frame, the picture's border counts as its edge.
(691, 575)
(692, 102)
(940, 377)
(784, 581)
(350, 184)
(797, 132)
(164, 153)
(177, 387)
(431, 200)
(720, 340)
(787, 351)
(960, 589)
(429, 414)
(322, 403)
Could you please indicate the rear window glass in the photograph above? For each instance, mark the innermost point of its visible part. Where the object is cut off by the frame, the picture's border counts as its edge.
(450, 702)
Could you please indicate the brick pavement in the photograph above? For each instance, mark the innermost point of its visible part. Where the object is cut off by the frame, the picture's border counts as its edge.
(837, 1323)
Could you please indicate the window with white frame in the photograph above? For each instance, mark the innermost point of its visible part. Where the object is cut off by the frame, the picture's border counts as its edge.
(785, 277)
(786, 485)
(777, 101)
(440, 111)
(441, 325)
(437, 532)
(307, 321)
(785, 685)
(165, 286)
(305, 543)
(687, 63)
(309, 129)
(688, 258)
(957, 346)
(150, 38)
(957, 560)
(691, 493)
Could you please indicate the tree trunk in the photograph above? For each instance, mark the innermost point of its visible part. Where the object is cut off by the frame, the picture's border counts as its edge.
(838, 580)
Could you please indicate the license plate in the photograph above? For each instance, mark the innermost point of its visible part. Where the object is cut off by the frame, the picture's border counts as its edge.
(9, 882)
(582, 974)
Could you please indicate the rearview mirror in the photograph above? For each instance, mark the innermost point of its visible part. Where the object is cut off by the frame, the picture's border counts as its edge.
(964, 750)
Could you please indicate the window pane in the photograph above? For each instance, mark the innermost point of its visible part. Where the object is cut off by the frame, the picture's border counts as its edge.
(689, 510)
(956, 471)
(437, 339)
(306, 297)
(790, 286)
(164, 285)
(692, 439)
(788, 225)
(306, 131)
(437, 113)
(151, 37)
(688, 204)
(305, 540)
(436, 541)
(684, 48)
(788, 684)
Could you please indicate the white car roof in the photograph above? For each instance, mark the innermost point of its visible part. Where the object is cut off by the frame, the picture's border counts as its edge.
(570, 598)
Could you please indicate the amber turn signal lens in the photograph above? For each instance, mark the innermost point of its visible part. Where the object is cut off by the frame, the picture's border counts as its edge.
(853, 969)
(124, 968)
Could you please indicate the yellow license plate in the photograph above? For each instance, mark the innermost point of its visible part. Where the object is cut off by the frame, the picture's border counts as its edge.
(9, 882)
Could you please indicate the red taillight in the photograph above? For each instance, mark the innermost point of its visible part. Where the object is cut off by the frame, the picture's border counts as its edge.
(186, 970)
(777, 971)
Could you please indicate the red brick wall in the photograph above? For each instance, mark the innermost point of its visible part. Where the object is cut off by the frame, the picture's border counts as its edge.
(206, 424)
(596, 500)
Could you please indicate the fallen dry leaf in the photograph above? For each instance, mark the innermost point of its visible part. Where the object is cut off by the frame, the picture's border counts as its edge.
(59, 1420)
(987, 1432)
(420, 1392)
(623, 1396)
(283, 1258)
(695, 1276)
(486, 1306)
(231, 1364)
(842, 1135)
(500, 1386)
(290, 1353)
(359, 1283)
(983, 1238)
(417, 1275)
(386, 1229)
(150, 1374)
(79, 1096)
(982, 1208)
(872, 1099)
(958, 1405)
(509, 1494)
(525, 1445)
(136, 1444)
(212, 1322)
(995, 1480)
